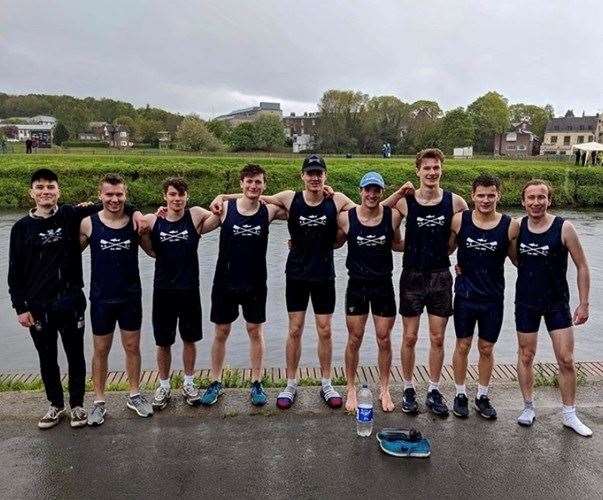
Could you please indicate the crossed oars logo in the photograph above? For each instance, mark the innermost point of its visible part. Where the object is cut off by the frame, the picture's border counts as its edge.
(115, 244)
(431, 221)
(173, 236)
(534, 249)
(246, 230)
(370, 241)
(313, 220)
(481, 244)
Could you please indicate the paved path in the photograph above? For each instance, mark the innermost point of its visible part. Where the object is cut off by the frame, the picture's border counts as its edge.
(234, 451)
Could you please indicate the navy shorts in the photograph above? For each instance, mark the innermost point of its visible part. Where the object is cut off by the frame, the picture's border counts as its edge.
(225, 304)
(104, 316)
(378, 295)
(487, 315)
(176, 307)
(556, 317)
(299, 292)
(431, 290)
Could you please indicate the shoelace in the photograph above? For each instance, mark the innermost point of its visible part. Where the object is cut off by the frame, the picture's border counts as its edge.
(52, 412)
(330, 392)
(257, 388)
(437, 397)
(288, 392)
(485, 400)
(78, 412)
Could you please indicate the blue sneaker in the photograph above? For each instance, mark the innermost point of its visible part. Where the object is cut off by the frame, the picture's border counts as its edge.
(211, 394)
(257, 394)
(404, 443)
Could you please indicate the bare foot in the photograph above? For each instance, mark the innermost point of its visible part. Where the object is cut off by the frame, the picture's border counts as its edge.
(386, 400)
(350, 400)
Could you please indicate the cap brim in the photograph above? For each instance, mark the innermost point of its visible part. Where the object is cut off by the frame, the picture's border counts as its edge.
(314, 167)
(372, 184)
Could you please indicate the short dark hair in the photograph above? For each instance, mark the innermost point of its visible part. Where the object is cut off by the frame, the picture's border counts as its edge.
(538, 182)
(113, 179)
(251, 170)
(486, 180)
(44, 174)
(178, 183)
(429, 153)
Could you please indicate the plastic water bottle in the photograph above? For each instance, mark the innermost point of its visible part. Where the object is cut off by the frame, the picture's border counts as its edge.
(364, 412)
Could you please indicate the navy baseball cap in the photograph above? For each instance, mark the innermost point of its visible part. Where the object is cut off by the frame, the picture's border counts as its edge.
(314, 162)
(372, 179)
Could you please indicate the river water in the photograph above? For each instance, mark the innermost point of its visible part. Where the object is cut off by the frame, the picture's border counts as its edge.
(17, 351)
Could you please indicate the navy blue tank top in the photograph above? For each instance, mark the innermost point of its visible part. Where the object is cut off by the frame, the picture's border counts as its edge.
(243, 244)
(541, 266)
(313, 231)
(175, 244)
(114, 262)
(370, 247)
(481, 256)
(427, 233)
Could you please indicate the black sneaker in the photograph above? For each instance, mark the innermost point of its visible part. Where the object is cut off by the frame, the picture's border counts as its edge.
(409, 401)
(436, 403)
(460, 407)
(484, 408)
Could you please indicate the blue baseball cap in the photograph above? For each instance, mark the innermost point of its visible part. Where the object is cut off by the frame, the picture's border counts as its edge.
(372, 179)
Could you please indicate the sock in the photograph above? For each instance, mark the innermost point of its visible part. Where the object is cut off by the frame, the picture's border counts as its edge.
(528, 404)
(134, 394)
(292, 382)
(461, 389)
(408, 384)
(482, 390)
(326, 382)
(188, 379)
(433, 386)
(164, 383)
(569, 410)
(98, 401)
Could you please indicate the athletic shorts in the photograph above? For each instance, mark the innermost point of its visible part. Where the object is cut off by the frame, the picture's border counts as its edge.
(556, 317)
(225, 304)
(487, 315)
(431, 290)
(299, 292)
(171, 307)
(378, 294)
(104, 316)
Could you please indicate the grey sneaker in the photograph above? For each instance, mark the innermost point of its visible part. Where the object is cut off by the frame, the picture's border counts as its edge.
(140, 405)
(162, 398)
(53, 417)
(79, 417)
(96, 416)
(191, 395)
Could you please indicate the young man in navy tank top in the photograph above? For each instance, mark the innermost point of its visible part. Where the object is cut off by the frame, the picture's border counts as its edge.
(240, 278)
(483, 238)
(371, 231)
(115, 293)
(173, 242)
(426, 281)
(312, 221)
(542, 290)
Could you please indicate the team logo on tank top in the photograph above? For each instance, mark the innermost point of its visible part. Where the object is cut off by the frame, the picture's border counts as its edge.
(246, 230)
(431, 221)
(173, 236)
(533, 250)
(370, 241)
(481, 244)
(51, 236)
(115, 244)
(312, 220)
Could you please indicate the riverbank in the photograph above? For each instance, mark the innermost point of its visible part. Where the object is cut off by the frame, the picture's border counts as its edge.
(211, 175)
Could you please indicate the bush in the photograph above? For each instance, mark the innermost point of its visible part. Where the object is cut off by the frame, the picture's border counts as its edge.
(86, 144)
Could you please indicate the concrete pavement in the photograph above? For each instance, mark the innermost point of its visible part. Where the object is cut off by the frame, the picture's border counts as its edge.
(232, 450)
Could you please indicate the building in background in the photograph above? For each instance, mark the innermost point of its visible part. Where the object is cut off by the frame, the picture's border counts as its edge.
(519, 141)
(251, 114)
(117, 136)
(41, 135)
(301, 130)
(562, 133)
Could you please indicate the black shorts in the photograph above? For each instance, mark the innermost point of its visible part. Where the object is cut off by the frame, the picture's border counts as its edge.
(487, 315)
(432, 289)
(322, 293)
(104, 316)
(556, 317)
(171, 307)
(225, 304)
(379, 295)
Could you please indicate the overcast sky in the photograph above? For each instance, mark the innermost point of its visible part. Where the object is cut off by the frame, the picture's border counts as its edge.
(212, 57)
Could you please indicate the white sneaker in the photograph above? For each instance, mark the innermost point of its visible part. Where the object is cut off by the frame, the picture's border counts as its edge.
(571, 421)
(527, 417)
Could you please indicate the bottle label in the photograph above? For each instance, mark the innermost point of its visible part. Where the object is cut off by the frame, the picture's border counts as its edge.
(364, 414)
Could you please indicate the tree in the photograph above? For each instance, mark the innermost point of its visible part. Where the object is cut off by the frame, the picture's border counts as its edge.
(536, 116)
(148, 130)
(422, 126)
(456, 129)
(490, 114)
(193, 135)
(342, 120)
(386, 119)
(220, 128)
(128, 122)
(242, 137)
(269, 133)
(60, 133)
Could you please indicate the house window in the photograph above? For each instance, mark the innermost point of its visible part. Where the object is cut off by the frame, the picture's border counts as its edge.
(510, 146)
(124, 143)
(553, 139)
(580, 139)
(566, 140)
(123, 134)
(521, 147)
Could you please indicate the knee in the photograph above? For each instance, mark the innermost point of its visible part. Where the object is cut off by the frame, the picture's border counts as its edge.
(409, 339)
(526, 355)
(463, 348)
(354, 342)
(485, 351)
(436, 339)
(566, 362)
(384, 343)
(132, 347)
(324, 331)
(222, 333)
(102, 350)
(254, 332)
(295, 331)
